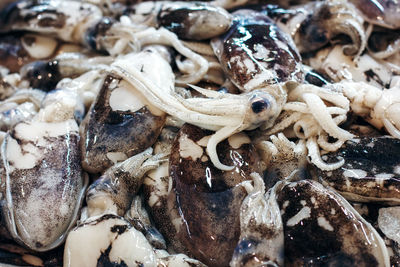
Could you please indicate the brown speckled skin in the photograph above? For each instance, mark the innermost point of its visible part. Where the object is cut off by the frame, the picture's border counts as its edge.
(329, 22)
(120, 186)
(184, 20)
(308, 244)
(161, 214)
(50, 17)
(23, 14)
(105, 130)
(139, 217)
(395, 258)
(250, 28)
(159, 210)
(382, 158)
(211, 214)
(61, 156)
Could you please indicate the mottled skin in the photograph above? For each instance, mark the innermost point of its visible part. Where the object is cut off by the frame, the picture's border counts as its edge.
(334, 240)
(261, 237)
(254, 38)
(395, 258)
(11, 15)
(158, 188)
(287, 160)
(140, 219)
(194, 21)
(209, 199)
(66, 20)
(160, 212)
(120, 186)
(320, 23)
(56, 201)
(105, 130)
(315, 29)
(378, 157)
(332, 22)
(117, 227)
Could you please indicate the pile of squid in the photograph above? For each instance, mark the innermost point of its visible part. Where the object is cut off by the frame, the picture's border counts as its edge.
(218, 133)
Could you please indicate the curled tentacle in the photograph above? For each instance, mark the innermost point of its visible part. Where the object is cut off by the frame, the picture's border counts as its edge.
(306, 127)
(329, 146)
(319, 110)
(315, 155)
(313, 119)
(312, 96)
(330, 20)
(317, 24)
(83, 23)
(381, 12)
(224, 113)
(163, 36)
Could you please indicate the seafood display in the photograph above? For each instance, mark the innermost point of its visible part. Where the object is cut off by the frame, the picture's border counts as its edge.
(199, 133)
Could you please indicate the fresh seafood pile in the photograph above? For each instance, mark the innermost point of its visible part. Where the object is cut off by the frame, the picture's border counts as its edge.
(215, 133)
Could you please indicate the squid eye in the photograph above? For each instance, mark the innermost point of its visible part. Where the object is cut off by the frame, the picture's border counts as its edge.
(43, 75)
(259, 105)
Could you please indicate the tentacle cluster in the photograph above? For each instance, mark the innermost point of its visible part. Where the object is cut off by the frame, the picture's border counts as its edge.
(314, 114)
(378, 107)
